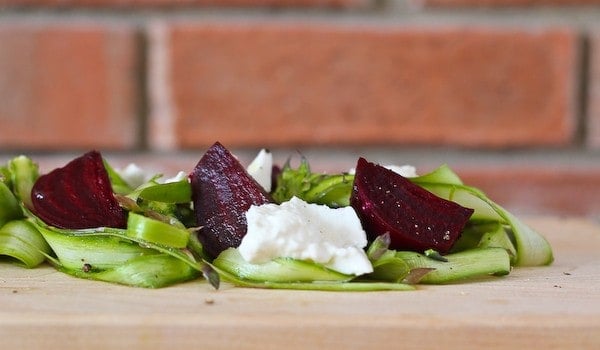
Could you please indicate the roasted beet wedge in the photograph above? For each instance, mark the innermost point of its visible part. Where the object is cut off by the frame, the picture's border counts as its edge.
(78, 195)
(415, 218)
(222, 192)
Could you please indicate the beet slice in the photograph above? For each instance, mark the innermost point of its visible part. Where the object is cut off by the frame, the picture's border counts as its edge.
(222, 192)
(78, 195)
(415, 218)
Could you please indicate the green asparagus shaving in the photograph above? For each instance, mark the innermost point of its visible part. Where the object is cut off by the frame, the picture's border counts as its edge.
(379, 246)
(5, 176)
(486, 235)
(389, 268)
(443, 174)
(76, 248)
(148, 271)
(77, 240)
(119, 185)
(171, 192)
(153, 197)
(109, 249)
(331, 286)
(181, 254)
(171, 200)
(386, 265)
(499, 239)
(157, 232)
(287, 273)
(158, 212)
(531, 248)
(472, 233)
(10, 208)
(24, 173)
(460, 266)
(20, 240)
(277, 270)
(195, 247)
(435, 255)
(446, 184)
(332, 190)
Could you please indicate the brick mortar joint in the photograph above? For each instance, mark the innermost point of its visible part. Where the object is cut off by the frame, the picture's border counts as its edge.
(556, 16)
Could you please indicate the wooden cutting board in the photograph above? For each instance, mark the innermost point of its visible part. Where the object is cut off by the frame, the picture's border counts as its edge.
(549, 308)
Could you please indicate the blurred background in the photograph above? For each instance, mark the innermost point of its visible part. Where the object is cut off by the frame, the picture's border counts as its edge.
(507, 92)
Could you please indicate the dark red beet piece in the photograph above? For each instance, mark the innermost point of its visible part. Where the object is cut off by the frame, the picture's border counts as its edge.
(78, 195)
(415, 218)
(222, 192)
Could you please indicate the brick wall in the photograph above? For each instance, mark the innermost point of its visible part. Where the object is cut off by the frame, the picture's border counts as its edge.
(505, 91)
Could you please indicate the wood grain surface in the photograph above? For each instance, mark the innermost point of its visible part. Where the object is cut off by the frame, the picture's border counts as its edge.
(552, 307)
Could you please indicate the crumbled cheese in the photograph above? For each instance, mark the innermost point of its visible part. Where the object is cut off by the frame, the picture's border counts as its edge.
(182, 175)
(404, 170)
(296, 229)
(133, 175)
(261, 168)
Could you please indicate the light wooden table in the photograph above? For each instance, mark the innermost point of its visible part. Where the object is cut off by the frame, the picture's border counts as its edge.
(546, 308)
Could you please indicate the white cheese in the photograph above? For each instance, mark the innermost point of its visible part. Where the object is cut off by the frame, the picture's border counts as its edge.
(261, 168)
(133, 175)
(182, 175)
(299, 230)
(404, 170)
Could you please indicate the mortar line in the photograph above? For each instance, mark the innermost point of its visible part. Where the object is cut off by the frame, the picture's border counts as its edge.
(142, 94)
(378, 12)
(583, 75)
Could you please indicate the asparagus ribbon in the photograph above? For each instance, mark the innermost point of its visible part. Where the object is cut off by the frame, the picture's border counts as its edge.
(159, 246)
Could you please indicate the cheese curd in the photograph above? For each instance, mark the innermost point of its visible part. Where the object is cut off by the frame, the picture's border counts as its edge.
(133, 175)
(261, 168)
(404, 170)
(299, 230)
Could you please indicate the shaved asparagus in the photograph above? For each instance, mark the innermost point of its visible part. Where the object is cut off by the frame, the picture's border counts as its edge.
(332, 190)
(531, 248)
(279, 270)
(9, 205)
(159, 245)
(24, 173)
(460, 266)
(20, 240)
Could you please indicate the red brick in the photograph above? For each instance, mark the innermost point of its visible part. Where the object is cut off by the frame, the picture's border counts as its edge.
(277, 84)
(225, 3)
(556, 189)
(593, 125)
(68, 87)
(505, 3)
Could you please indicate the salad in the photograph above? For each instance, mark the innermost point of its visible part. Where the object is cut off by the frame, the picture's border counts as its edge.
(260, 226)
